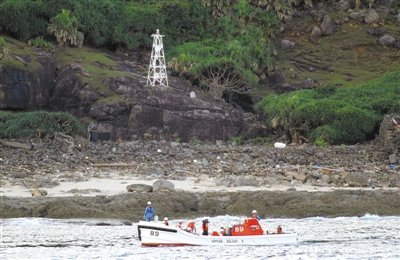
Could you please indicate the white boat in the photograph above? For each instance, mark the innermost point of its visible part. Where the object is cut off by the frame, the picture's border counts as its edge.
(158, 234)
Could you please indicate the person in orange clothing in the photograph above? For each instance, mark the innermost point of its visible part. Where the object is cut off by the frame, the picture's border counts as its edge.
(205, 227)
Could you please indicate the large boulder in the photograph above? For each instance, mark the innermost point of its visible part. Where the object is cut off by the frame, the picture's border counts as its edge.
(137, 187)
(162, 185)
(168, 114)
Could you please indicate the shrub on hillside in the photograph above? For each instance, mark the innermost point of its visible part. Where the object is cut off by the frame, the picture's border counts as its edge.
(40, 42)
(137, 23)
(24, 19)
(64, 26)
(38, 124)
(238, 53)
(345, 115)
(98, 19)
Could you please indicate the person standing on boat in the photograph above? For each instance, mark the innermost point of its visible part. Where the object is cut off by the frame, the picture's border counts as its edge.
(149, 212)
(254, 215)
(205, 227)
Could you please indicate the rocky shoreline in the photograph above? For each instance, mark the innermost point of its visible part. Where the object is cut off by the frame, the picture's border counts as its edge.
(179, 204)
(215, 179)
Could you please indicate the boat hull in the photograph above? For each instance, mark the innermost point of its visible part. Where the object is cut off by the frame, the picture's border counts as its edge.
(156, 234)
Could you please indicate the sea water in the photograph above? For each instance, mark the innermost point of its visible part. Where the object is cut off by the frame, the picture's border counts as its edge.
(367, 237)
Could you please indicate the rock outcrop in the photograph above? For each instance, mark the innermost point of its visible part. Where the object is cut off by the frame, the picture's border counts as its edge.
(168, 114)
(28, 85)
(389, 135)
(291, 204)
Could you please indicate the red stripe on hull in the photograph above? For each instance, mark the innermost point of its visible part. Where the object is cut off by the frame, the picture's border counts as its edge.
(166, 244)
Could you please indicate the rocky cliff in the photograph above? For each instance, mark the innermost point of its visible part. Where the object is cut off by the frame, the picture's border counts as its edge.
(111, 93)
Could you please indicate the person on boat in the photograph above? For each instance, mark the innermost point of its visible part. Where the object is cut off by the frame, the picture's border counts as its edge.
(165, 222)
(205, 227)
(149, 212)
(191, 227)
(254, 215)
(180, 224)
(223, 231)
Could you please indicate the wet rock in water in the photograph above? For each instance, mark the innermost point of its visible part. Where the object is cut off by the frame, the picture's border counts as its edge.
(38, 193)
(161, 185)
(139, 188)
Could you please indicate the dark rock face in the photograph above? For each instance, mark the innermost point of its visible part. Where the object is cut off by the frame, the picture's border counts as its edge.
(25, 89)
(169, 114)
(69, 94)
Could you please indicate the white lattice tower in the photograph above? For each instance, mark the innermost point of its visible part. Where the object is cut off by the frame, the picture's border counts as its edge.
(157, 69)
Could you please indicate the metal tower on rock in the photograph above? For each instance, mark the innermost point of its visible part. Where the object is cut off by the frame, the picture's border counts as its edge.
(157, 75)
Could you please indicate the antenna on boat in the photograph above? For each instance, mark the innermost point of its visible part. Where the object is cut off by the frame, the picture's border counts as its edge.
(157, 74)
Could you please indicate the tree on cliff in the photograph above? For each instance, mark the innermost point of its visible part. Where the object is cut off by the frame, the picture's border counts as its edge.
(64, 27)
(221, 78)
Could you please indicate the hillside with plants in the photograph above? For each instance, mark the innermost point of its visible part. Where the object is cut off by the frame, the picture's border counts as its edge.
(341, 59)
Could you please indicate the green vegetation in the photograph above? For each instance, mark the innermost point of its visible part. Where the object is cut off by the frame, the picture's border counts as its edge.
(40, 42)
(235, 57)
(236, 140)
(64, 26)
(337, 115)
(3, 48)
(23, 19)
(16, 48)
(95, 63)
(240, 38)
(38, 124)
